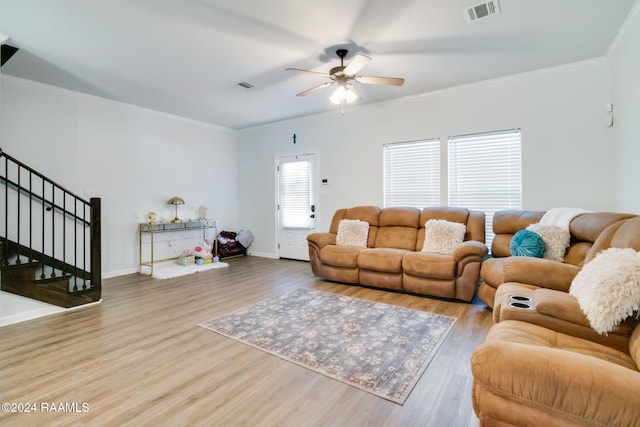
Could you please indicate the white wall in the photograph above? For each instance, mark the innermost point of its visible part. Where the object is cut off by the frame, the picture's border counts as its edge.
(568, 154)
(625, 66)
(134, 158)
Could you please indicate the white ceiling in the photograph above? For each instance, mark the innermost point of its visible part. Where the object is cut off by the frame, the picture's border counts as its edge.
(186, 57)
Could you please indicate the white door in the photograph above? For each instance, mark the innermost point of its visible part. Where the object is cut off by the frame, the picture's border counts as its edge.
(295, 205)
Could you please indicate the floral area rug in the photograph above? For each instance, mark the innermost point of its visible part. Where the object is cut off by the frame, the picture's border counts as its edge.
(380, 348)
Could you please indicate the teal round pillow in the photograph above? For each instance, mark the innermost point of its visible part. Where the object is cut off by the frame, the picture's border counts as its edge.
(527, 243)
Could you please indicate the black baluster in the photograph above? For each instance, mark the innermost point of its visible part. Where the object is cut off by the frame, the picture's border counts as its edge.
(42, 275)
(53, 227)
(30, 217)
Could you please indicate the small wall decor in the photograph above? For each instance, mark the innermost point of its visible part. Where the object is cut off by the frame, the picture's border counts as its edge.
(202, 212)
(294, 138)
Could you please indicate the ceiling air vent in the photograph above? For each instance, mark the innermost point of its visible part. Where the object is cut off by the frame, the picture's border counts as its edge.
(482, 10)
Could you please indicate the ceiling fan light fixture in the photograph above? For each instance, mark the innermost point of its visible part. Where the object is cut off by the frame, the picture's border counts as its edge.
(350, 95)
(343, 76)
(343, 93)
(338, 95)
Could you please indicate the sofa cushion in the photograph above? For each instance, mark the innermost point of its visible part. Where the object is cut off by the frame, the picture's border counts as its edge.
(443, 236)
(587, 227)
(381, 259)
(429, 264)
(527, 243)
(505, 224)
(608, 288)
(405, 217)
(340, 256)
(369, 214)
(398, 228)
(352, 232)
(556, 240)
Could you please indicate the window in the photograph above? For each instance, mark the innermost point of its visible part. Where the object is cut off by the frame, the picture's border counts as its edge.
(485, 173)
(295, 192)
(411, 173)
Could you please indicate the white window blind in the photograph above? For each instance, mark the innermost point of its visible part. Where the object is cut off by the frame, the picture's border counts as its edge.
(485, 173)
(295, 194)
(411, 173)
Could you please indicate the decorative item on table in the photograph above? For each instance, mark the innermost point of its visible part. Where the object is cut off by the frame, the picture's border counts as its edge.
(152, 217)
(175, 201)
(202, 212)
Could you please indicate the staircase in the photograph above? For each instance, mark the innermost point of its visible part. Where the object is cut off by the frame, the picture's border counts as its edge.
(49, 238)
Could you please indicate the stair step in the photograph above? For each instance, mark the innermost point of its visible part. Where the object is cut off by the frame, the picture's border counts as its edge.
(20, 272)
(52, 294)
(24, 280)
(54, 280)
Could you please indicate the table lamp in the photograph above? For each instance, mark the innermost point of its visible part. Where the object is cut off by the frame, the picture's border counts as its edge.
(176, 201)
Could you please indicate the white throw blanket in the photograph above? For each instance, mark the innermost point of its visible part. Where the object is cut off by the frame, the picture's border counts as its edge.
(561, 217)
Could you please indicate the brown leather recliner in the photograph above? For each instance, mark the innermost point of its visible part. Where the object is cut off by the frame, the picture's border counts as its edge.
(527, 375)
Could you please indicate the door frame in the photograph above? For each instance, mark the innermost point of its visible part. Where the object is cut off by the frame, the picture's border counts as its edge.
(314, 191)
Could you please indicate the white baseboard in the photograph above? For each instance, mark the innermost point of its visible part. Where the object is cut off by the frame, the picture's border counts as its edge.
(262, 254)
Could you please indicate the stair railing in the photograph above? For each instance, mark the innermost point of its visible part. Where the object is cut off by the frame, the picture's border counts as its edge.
(46, 223)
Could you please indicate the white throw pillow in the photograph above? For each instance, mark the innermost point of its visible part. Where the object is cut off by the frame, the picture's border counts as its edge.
(608, 288)
(443, 236)
(352, 232)
(556, 240)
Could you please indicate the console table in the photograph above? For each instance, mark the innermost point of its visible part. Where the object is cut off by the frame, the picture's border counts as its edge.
(152, 228)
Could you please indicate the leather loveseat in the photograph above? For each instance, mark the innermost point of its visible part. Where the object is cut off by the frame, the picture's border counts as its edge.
(393, 256)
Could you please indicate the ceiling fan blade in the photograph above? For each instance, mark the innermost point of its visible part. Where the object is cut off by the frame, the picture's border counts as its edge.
(356, 64)
(315, 88)
(390, 81)
(299, 70)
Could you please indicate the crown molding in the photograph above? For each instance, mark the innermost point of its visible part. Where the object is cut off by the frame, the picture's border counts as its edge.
(502, 80)
(633, 16)
(81, 95)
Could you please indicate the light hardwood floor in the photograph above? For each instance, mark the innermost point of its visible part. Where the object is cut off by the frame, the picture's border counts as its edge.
(140, 358)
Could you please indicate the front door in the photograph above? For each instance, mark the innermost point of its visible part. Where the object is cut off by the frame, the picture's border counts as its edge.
(295, 205)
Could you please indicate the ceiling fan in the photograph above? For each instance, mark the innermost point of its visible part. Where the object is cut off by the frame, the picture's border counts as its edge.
(345, 75)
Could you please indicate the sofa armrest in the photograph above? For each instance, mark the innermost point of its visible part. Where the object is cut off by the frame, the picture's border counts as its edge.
(321, 240)
(470, 248)
(539, 272)
(560, 305)
(583, 389)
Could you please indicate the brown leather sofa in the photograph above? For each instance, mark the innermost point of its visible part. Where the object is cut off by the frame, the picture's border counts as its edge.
(393, 258)
(542, 362)
(503, 268)
(558, 310)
